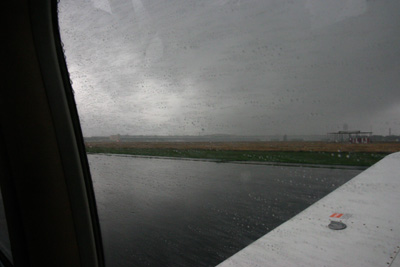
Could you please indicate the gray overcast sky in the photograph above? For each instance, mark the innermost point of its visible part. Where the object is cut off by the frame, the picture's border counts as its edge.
(246, 67)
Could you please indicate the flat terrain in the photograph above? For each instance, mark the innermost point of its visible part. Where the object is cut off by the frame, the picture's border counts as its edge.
(257, 146)
(320, 153)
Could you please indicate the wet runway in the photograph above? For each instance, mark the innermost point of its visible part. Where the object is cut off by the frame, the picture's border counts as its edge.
(164, 212)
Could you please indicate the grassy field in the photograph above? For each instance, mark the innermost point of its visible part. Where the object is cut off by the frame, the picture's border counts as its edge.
(282, 152)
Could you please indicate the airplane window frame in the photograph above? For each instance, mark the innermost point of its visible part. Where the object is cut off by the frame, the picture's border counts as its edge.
(37, 68)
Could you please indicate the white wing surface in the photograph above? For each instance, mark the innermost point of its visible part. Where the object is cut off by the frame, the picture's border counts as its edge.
(368, 206)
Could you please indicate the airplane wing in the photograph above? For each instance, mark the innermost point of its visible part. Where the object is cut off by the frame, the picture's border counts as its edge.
(356, 225)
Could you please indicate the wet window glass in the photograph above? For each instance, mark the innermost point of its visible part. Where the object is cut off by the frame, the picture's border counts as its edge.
(209, 123)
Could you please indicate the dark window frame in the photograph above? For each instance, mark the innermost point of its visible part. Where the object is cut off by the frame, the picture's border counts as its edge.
(45, 179)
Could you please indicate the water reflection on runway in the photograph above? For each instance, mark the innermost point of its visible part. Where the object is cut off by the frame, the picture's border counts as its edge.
(165, 212)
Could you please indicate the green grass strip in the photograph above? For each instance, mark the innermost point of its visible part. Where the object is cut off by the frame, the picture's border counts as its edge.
(323, 158)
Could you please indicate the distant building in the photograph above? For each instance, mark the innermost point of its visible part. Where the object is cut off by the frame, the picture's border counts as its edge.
(115, 138)
(355, 137)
